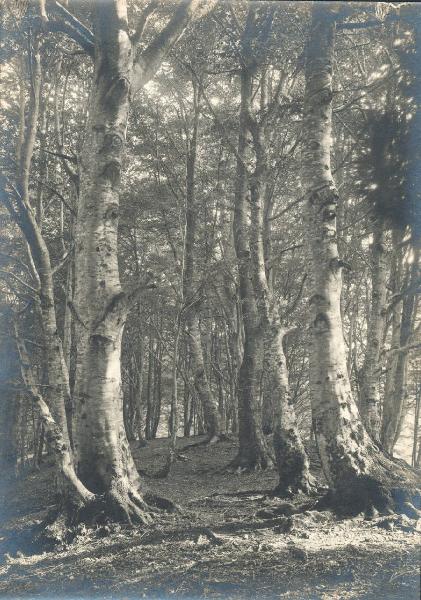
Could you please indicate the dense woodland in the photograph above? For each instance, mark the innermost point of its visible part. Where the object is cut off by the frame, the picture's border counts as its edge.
(210, 226)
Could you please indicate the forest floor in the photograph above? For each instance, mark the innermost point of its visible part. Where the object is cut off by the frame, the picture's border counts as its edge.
(219, 545)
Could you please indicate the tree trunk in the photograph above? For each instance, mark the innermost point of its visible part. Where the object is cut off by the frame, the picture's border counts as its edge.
(174, 418)
(370, 376)
(74, 493)
(233, 334)
(149, 389)
(360, 476)
(416, 422)
(190, 291)
(157, 392)
(139, 365)
(201, 383)
(58, 391)
(9, 378)
(397, 365)
(253, 452)
(292, 461)
(105, 463)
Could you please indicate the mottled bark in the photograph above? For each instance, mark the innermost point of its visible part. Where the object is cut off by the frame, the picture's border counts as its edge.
(174, 416)
(359, 475)
(74, 494)
(139, 366)
(253, 451)
(149, 388)
(201, 382)
(57, 391)
(105, 463)
(228, 293)
(415, 434)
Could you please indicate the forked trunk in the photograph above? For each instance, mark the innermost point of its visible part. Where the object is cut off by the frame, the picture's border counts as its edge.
(57, 390)
(292, 461)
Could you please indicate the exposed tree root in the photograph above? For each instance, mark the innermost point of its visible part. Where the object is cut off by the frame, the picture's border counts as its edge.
(257, 461)
(305, 485)
(221, 437)
(391, 487)
(293, 464)
(120, 505)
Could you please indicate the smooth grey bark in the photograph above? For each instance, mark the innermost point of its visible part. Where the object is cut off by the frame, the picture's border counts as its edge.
(262, 325)
(359, 474)
(74, 494)
(105, 463)
(416, 423)
(150, 387)
(227, 293)
(139, 368)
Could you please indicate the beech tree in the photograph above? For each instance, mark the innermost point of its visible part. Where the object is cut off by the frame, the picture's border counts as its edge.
(262, 321)
(104, 459)
(162, 269)
(104, 462)
(191, 288)
(360, 475)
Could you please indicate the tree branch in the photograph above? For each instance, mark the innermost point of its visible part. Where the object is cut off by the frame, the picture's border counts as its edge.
(215, 116)
(71, 159)
(55, 26)
(63, 259)
(143, 19)
(149, 61)
(21, 281)
(68, 24)
(403, 349)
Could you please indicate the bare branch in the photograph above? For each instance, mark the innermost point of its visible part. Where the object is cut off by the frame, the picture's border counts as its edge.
(21, 281)
(71, 159)
(404, 349)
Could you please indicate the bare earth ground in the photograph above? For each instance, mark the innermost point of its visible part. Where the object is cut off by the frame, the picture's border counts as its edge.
(216, 547)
